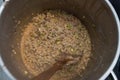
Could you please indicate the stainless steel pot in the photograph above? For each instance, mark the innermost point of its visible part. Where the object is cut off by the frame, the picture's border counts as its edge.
(98, 15)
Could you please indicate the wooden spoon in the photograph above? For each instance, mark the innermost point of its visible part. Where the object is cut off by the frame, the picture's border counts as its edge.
(46, 75)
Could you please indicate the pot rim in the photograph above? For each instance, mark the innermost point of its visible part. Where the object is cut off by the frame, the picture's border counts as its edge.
(108, 71)
(2, 65)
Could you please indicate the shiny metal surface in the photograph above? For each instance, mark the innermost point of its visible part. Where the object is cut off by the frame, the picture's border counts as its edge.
(110, 69)
(4, 73)
(100, 19)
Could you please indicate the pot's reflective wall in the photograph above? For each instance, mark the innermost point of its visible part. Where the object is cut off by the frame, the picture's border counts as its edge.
(98, 19)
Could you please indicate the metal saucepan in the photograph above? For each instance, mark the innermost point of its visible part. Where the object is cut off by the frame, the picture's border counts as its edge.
(101, 21)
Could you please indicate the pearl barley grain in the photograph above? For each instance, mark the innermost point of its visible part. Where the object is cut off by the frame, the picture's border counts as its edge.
(48, 35)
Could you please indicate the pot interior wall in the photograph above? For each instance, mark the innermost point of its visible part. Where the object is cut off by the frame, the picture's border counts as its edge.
(100, 24)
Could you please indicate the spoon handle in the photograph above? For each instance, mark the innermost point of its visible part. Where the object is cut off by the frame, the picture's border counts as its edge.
(46, 75)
